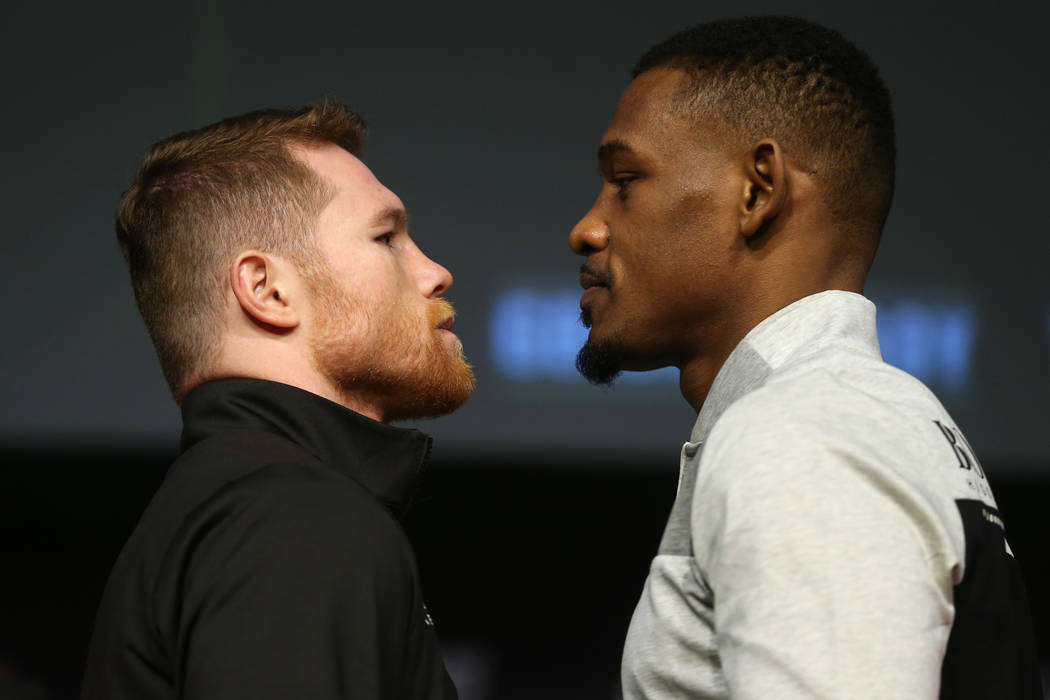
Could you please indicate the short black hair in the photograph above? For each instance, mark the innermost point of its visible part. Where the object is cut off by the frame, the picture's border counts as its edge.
(803, 84)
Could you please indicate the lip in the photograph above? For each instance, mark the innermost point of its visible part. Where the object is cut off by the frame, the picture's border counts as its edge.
(589, 280)
(593, 283)
(589, 294)
(446, 325)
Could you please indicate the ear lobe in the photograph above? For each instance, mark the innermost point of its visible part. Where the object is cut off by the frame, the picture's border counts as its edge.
(765, 187)
(258, 284)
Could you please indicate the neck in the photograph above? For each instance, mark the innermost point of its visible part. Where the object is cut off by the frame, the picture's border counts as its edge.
(699, 372)
(697, 376)
(286, 363)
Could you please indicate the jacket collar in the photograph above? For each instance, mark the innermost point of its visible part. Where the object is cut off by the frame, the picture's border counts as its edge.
(384, 459)
(838, 318)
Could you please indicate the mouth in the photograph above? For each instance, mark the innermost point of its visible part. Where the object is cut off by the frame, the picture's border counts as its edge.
(590, 278)
(446, 325)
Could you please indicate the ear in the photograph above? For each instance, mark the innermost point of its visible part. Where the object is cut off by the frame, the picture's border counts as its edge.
(765, 187)
(261, 284)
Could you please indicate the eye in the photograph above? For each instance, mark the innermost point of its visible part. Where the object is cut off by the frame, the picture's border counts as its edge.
(385, 238)
(620, 182)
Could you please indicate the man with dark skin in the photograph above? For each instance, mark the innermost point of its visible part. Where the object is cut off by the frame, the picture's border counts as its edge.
(833, 534)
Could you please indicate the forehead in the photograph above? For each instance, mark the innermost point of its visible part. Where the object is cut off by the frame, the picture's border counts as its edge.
(649, 117)
(357, 190)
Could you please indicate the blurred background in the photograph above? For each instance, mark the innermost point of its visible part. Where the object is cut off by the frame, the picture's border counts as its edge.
(546, 496)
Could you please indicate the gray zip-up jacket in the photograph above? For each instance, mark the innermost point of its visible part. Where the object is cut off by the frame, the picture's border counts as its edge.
(834, 535)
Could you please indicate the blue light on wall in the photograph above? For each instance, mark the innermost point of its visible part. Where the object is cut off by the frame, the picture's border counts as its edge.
(534, 335)
(931, 341)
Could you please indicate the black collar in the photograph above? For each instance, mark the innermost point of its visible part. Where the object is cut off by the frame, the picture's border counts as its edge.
(384, 459)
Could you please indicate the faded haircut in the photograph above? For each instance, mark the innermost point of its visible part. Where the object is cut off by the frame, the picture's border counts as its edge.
(804, 85)
(200, 198)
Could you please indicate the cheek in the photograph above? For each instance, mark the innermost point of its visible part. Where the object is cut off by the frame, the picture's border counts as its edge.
(377, 274)
(683, 260)
(704, 229)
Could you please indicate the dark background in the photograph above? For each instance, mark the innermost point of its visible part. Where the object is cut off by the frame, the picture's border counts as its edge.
(547, 497)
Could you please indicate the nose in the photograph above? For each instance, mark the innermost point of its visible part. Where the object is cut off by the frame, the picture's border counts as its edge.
(436, 278)
(590, 235)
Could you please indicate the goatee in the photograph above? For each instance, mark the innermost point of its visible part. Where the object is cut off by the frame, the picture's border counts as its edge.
(599, 363)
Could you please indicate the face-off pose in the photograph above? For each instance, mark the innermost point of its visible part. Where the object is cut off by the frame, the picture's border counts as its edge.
(293, 317)
(833, 535)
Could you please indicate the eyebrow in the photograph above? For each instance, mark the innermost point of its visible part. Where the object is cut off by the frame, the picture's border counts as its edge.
(396, 215)
(612, 148)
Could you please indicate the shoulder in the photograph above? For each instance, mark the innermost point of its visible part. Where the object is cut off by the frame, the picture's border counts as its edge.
(263, 477)
(285, 513)
(848, 403)
(283, 534)
(822, 431)
(295, 506)
(876, 413)
(851, 443)
(805, 412)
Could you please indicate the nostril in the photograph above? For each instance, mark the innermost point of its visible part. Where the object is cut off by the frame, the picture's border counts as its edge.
(586, 237)
(587, 240)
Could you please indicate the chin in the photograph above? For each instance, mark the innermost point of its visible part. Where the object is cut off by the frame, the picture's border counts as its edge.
(436, 393)
(403, 376)
(600, 362)
(603, 357)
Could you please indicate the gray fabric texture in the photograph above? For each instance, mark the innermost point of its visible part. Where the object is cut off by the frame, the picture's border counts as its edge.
(814, 543)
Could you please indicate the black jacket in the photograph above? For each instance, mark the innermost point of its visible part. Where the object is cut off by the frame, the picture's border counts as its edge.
(270, 563)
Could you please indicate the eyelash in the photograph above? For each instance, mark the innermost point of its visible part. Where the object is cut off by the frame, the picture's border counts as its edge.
(621, 184)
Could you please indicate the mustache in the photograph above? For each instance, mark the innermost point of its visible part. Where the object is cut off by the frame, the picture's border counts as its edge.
(441, 309)
(599, 277)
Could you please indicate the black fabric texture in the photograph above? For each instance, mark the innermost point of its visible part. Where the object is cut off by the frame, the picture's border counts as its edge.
(271, 563)
(991, 648)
